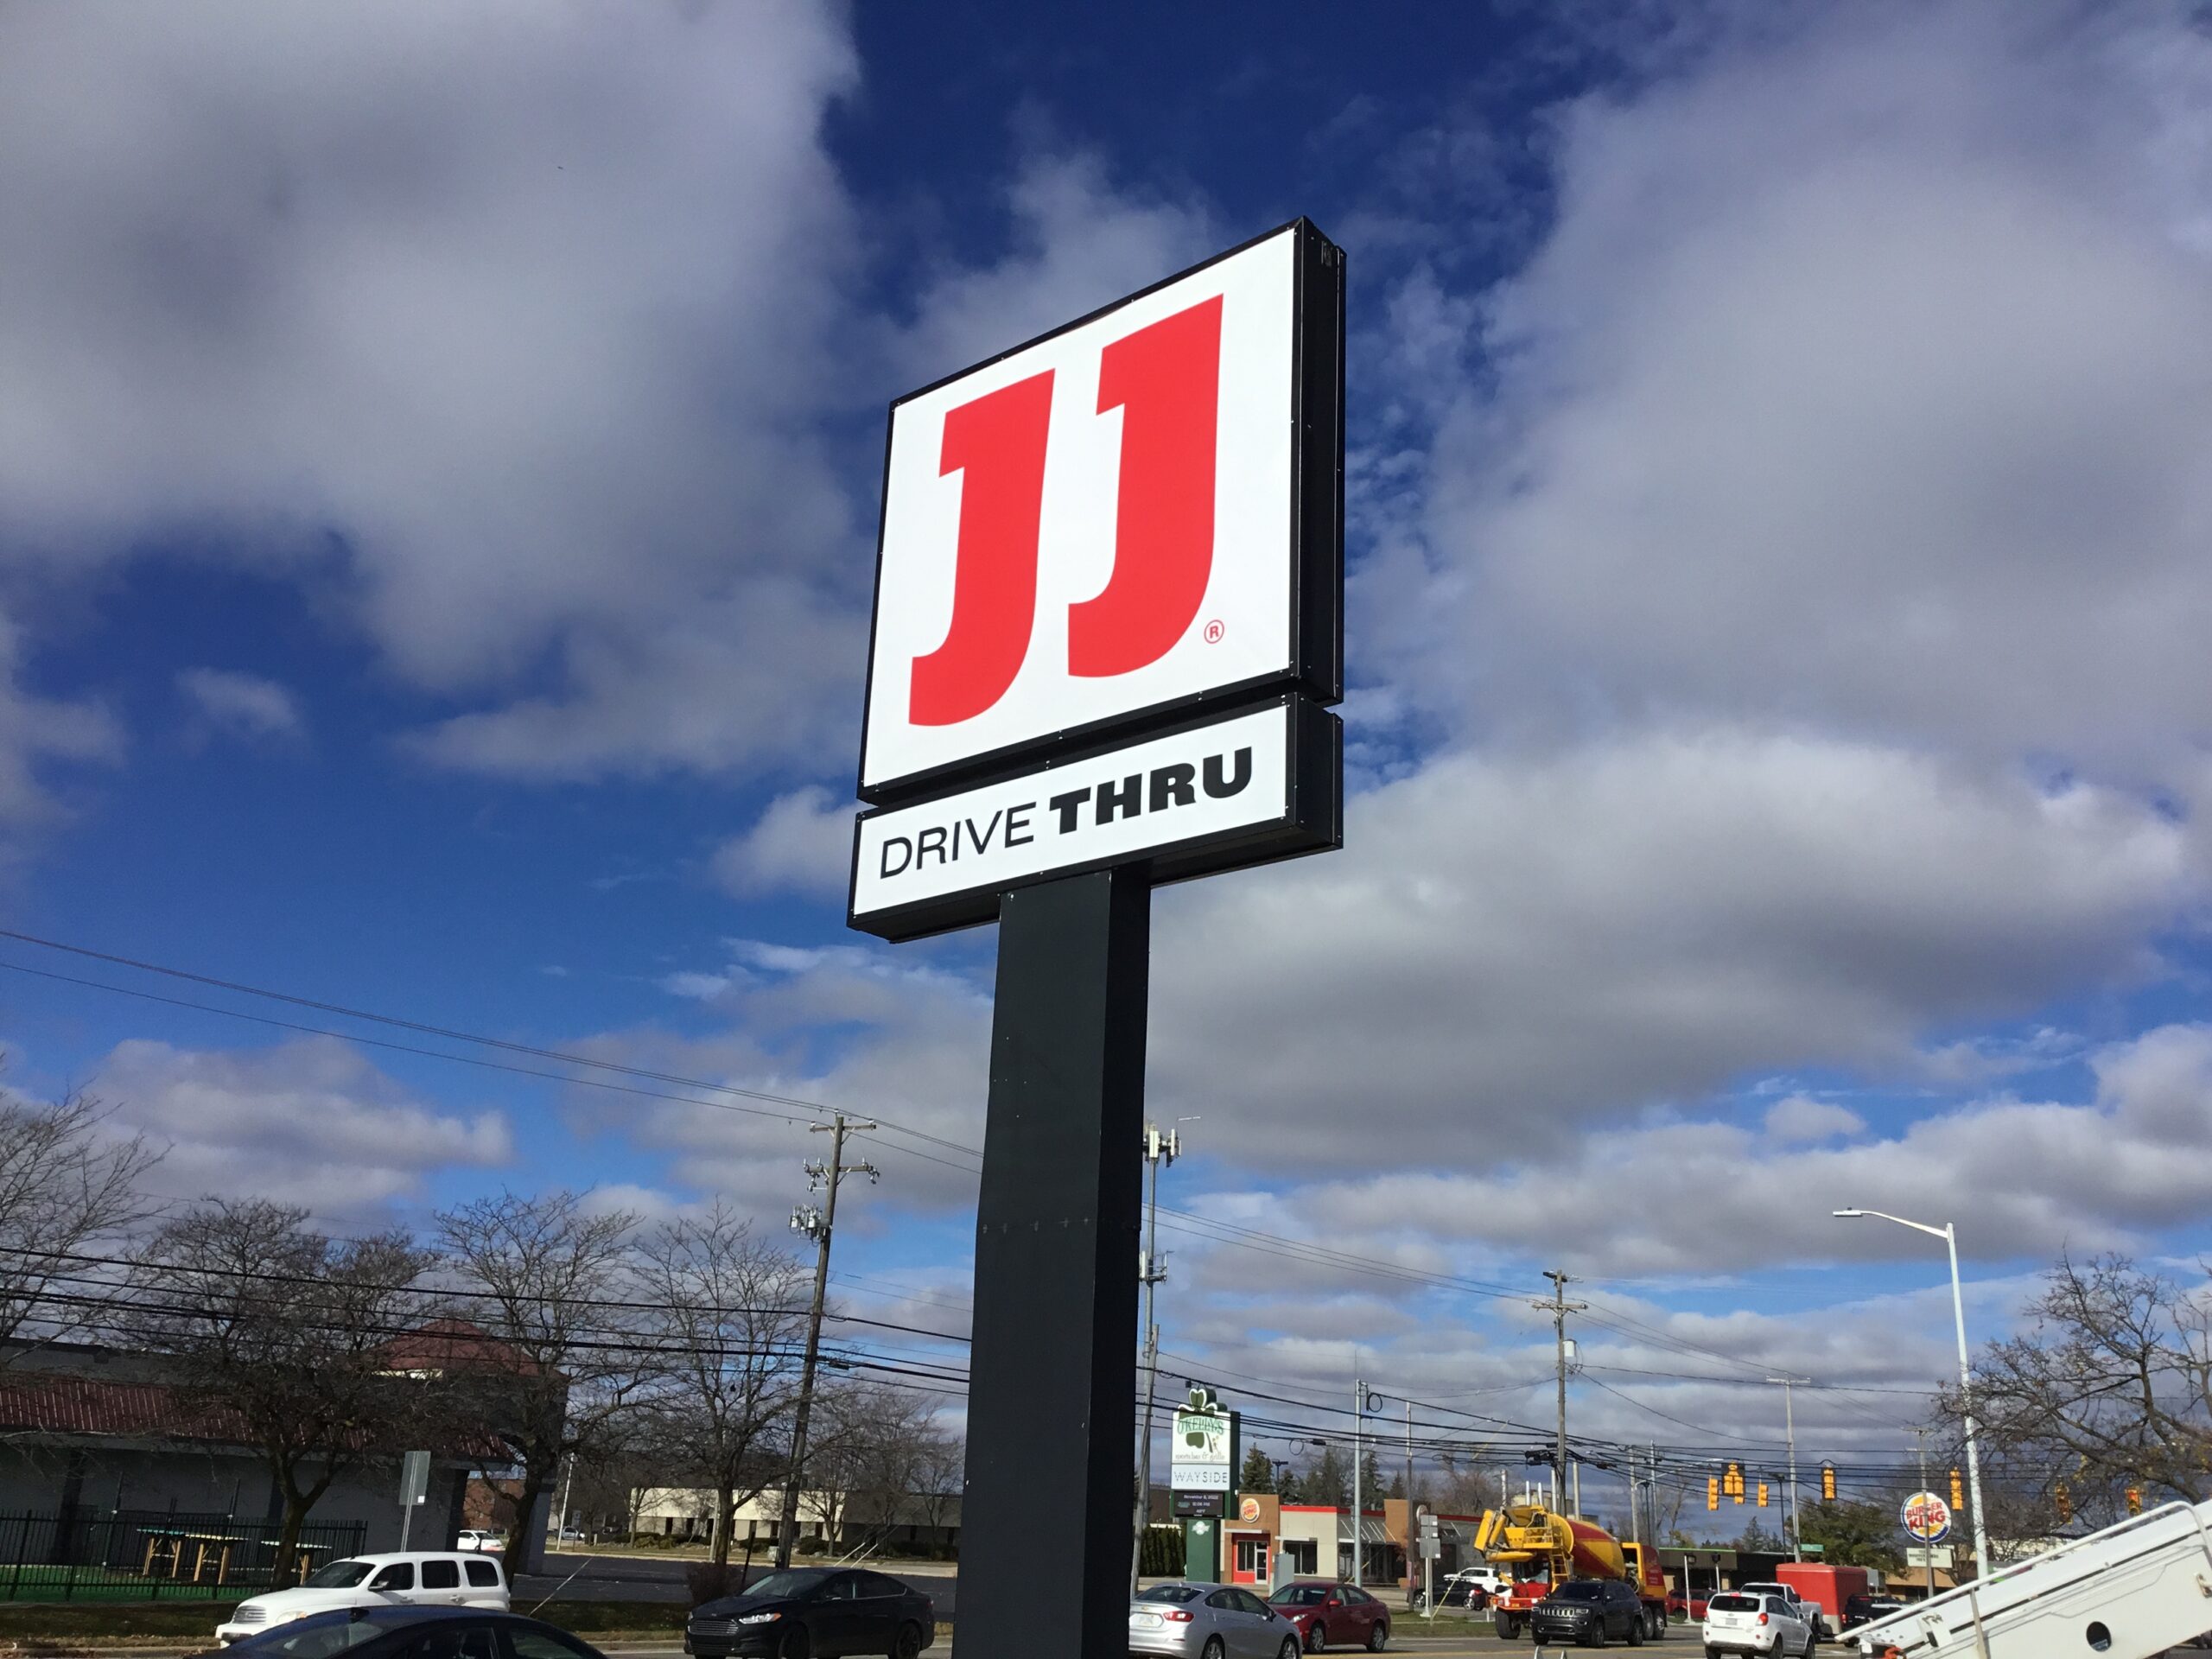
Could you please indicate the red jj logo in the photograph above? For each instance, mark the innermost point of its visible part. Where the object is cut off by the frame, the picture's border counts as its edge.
(1165, 379)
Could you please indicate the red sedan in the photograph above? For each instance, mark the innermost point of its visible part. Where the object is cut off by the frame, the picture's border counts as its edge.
(1333, 1614)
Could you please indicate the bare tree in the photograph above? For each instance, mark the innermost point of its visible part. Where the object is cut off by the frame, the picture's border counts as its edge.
(728, 1314)
(863, 1458)
(282, 1333)
(940, 1463)
(2109, 1389)
(544, 1270)
(66, 1186)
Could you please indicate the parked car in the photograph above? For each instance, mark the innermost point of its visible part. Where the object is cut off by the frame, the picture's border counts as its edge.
(1589, 1612)
(1471, 1588)
(1190, 1619)
(414, 1578)
(1808, 1610)
(1736, 1621)
(1866, 1608)
(815, 1612)
(491, 1543)
(1326, 1613)
(389, 1631)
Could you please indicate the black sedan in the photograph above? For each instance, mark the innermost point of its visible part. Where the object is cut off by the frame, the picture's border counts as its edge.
(393, 1632)
(815, 1612)
(1588, 1611)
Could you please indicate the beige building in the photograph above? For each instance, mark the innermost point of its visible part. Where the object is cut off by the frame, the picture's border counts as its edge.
(918, 1523)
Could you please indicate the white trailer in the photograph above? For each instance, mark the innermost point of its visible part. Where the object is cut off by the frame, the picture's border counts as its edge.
(2130, 1591)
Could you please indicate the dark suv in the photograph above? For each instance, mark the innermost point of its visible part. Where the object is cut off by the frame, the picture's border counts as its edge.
(1863, 1609)
(1587, 1611)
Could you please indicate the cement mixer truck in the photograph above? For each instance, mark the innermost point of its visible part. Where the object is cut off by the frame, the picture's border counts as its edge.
(1543, 1548)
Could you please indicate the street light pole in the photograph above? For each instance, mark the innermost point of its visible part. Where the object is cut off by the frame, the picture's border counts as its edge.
(1948, 1233)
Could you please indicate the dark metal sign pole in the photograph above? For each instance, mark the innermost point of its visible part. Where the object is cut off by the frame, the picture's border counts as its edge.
(1044, 1519)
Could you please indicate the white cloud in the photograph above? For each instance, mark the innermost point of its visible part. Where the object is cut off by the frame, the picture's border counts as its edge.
(803, 841)
(36, 732)
(1079, 243)
(1864, 378)
(1511, 947)
(242, 706)
(1799, 1118)
(507, 327)
(309, 1122)
(2024, 1179)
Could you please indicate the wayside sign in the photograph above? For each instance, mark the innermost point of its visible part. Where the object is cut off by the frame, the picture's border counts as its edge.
(1116, 531)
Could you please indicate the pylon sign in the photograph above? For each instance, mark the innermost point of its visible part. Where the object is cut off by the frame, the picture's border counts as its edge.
(1926, 1518)
(1109, 604)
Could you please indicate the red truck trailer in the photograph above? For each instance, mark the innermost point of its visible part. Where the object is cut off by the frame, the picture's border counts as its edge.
(1824, 1586)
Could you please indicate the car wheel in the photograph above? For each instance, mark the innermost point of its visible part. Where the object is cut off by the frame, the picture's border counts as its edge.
(1289, 1648)
(907, 1645)
(1636, 1629)
(1378, 1636)
(794, 1644)
(1812, 1640)
(1314, 1639)
(1213, 1648)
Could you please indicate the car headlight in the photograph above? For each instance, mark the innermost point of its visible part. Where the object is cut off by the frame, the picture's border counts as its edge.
(760, 1619)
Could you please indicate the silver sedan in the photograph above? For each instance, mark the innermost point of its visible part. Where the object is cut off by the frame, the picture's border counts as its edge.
(1190, 1620)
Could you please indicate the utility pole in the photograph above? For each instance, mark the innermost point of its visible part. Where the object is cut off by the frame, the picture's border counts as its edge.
(1920, 1438)
(1358, 1502)
(1159, 1149)
(1559, 1307)
(1409, 1459)
(815, 1223)
(1790, 1429)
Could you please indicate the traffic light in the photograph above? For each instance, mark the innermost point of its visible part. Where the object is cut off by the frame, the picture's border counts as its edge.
(1732, 1482)
(1761, 1494)
(1827, 1483)
(2064, 1500)
(1712, 1492)
(2135, 1500)
(1958, 1491)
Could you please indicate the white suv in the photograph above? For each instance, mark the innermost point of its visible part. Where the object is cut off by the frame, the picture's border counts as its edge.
(490, 1542)
(1809, 1612)
(1740, 1621)
(436, 1578)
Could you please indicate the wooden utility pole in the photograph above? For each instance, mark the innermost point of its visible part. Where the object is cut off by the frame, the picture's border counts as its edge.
(818, 1225)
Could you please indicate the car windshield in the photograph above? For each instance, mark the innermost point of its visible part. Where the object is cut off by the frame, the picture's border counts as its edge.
(800, 1581)
(1167, 1592)
(1300, 1595)
(1734, 1604)
(338, 1575)
(1579, 1590)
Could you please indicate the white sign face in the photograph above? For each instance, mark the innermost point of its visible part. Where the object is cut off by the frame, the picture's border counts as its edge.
(1199, 1459)
(1226, 783)
(1100, 524)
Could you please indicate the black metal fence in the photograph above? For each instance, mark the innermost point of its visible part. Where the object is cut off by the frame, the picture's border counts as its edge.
(153, 1554)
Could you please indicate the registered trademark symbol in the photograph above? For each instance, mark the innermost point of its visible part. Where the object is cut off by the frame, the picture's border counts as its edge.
(1214, 631)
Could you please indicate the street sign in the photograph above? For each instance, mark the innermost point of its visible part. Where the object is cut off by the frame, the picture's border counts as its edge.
(1926, 1518)
(1813, 1549)
(1136, 515)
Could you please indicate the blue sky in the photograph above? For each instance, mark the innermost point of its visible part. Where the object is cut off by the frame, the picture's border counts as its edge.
(438, 461)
